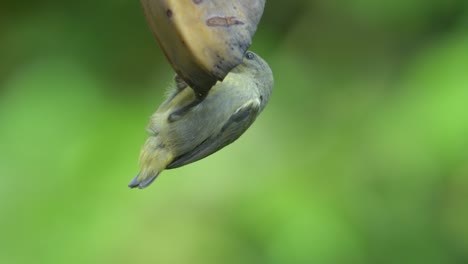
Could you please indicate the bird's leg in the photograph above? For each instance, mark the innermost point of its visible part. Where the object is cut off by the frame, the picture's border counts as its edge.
(177, 114)
(180, 83)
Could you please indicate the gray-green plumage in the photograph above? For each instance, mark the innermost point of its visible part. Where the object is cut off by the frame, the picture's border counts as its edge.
(184, 130)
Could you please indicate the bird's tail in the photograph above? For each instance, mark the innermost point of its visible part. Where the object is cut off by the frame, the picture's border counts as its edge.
(154, 158)
(137, 182)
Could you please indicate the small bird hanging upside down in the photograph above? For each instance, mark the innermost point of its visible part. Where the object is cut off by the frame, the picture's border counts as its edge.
(185, 129)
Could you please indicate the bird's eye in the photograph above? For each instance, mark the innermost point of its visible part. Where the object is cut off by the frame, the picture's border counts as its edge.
(249, 55)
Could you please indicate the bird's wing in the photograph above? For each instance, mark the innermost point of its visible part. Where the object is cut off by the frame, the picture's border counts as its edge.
(234, 127)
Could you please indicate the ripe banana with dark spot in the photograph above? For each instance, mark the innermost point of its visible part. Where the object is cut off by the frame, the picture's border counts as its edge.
(203, 39)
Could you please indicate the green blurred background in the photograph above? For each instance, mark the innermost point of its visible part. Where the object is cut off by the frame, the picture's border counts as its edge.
(360, 157)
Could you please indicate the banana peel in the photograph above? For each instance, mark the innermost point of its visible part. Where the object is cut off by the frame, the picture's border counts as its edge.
(203, 39)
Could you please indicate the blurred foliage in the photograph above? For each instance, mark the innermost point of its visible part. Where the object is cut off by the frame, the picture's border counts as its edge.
(361, 156)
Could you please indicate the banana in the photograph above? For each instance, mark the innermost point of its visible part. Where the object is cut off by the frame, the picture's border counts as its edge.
(203, 39)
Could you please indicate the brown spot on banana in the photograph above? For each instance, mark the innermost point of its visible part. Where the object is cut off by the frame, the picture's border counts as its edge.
(223, 21)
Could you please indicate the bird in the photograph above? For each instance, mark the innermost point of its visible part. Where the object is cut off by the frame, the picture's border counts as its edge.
(184, 130)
